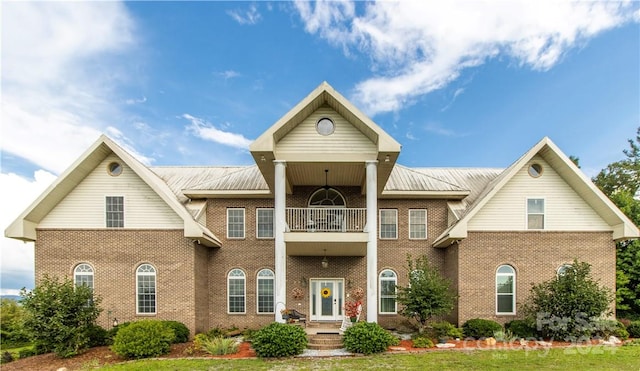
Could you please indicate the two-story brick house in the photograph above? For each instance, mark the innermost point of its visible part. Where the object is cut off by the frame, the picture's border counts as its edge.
(325, 211)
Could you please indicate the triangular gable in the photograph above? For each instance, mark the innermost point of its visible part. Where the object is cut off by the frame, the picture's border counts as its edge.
(263, 149)
(622, 227)
(24, 227)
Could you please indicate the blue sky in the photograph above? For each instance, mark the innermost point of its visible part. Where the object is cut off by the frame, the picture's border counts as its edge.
(458, 84)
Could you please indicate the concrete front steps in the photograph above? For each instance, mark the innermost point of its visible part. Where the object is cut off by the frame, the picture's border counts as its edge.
(324, 335)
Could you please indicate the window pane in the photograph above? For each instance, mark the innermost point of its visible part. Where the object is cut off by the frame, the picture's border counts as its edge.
(265, 223)
(387, 305)
(235, 223)
(388, 227)
(535, 206)
(114, 207)
(535, 221)
(505, 284)
(146, 294)
(235, 288)
(387, 287)
(505, 303)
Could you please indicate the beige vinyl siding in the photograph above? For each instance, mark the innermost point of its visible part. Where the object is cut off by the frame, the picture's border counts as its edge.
(345, 139)
(84, 207)
(565, 210)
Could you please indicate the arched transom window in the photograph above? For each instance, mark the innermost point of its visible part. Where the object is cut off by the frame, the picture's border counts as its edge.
(83, 275)
(327, 197)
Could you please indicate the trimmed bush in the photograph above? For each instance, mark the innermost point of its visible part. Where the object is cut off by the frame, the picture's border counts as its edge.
(478, 328)
(634, 329)
(608, 327)
(220, 346)
(522, 328)
(446, 330)
(179, 329)
(422, 342)
(143, 339)
(279, 340)
(97, 336)
(367, 338)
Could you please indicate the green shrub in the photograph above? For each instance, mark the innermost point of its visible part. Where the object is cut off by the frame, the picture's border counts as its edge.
(6, 357)
(632, 343)
(59, 315)
(522, 328)
(608, 327)
(111, 333)
(634, 329)
(279, 340)
(27, 352)
(367, 338)
(504, 336)
(445, 330)
(247, 334)
(142, 339)
(217, 332)
(179, 329)
(480, 328)
(422, 342)
(220, 346)
(97, 336)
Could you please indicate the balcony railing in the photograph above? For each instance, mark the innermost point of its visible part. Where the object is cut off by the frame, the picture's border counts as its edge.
(330, 219)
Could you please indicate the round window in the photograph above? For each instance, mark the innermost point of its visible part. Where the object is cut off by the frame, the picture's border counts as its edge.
(325, 126)
(535, 170)
(114, 169)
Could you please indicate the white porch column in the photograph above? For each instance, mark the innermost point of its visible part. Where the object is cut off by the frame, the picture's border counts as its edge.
(372, 242)
(280, 204)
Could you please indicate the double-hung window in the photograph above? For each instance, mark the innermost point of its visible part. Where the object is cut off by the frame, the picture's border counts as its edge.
(146, 289)
(235, 223)
(265, 291)
(236, 284)
(114, 209)
(264, 223)
(417, 224)
(505, 290)
(535, 213)
(388, 224)
(388, 281)
(83, 275)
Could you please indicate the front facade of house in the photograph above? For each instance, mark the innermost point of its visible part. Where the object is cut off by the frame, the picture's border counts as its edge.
(325, 214)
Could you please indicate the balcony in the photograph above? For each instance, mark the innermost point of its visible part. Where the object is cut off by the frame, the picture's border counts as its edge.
(326, 231)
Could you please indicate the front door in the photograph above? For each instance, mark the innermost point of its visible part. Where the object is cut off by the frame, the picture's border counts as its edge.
(327, 299)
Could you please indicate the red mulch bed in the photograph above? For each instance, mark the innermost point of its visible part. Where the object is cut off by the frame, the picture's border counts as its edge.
(101, 356)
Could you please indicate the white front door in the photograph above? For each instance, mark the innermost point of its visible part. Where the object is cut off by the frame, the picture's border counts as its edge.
(327, 299)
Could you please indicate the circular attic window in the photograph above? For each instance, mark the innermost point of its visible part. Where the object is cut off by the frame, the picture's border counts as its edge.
(325, 126)
(535, 170)
(114, 169)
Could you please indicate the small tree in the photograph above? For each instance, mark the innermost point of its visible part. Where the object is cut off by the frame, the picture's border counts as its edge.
(566, 306)
(11, 322)
(60, 315)
(427, 295)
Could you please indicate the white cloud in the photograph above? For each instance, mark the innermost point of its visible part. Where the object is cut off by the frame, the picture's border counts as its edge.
(207, 131)
(251, 16)
(420, 46)
(229, 74)
(16, 257)
(131, 101)
(58, 76)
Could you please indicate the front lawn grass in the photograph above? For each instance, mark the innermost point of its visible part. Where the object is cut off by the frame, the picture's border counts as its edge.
(15, 348)
(587, 358)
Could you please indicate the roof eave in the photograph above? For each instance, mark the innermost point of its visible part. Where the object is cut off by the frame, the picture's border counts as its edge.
(197, 193)
(440, 195)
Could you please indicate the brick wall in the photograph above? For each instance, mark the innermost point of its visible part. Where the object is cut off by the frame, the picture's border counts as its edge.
(535, 256)
(115, 256)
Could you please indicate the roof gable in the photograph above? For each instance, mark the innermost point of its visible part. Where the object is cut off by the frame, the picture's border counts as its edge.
(622, 227)
(24, 227)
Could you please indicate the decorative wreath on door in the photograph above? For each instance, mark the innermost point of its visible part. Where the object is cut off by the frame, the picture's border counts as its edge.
(325, 292)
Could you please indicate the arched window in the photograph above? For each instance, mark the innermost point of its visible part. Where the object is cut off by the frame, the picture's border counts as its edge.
(387, 287)
(83, 275)
(505, 290)
(146, 289)
(265, 291)
(327, 197)
(236, 290)
(562, 270)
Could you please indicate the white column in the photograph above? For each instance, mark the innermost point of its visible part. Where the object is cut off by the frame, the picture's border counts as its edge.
(372, 242)
(280, 204)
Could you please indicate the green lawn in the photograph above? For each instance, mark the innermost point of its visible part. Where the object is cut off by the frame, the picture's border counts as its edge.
(15, 349)
(594, 358)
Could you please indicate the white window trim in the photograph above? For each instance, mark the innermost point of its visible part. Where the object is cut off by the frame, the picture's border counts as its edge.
(124, 211)
(257, 223)
(544, 213)
(244, 282)
(92, 274)
(155, 286)
(244, 223)
(380, 224)
(495, 288)
(380, 279)
(258, 278)
(426, 224)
